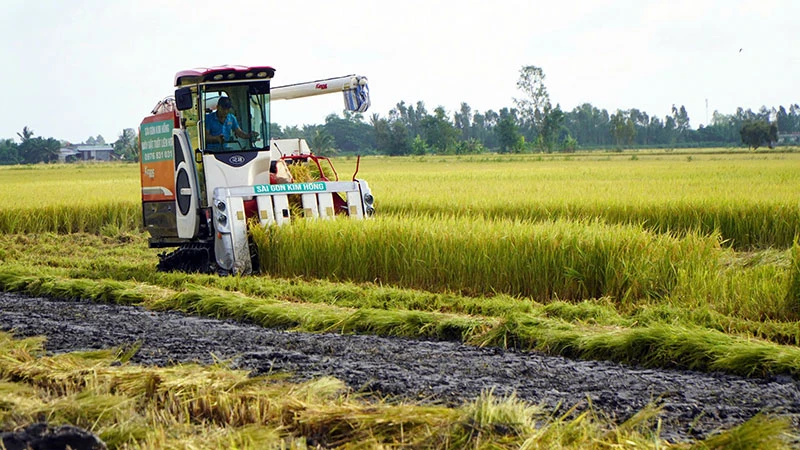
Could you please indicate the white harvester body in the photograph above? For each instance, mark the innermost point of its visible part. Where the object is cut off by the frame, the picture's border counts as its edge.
(209, 169)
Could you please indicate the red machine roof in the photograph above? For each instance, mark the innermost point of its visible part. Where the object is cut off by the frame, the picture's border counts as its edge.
(227, 72)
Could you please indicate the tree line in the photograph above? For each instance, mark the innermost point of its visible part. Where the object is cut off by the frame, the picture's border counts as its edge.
(533, 124)
(412, 130)
(35, 149)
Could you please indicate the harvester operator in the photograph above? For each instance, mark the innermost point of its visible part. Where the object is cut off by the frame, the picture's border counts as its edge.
(221, 126)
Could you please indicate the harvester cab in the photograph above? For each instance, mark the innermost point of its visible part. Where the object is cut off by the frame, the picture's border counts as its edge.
(209, 168)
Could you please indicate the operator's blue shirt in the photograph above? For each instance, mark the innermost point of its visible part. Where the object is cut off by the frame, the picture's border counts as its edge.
(216, 128)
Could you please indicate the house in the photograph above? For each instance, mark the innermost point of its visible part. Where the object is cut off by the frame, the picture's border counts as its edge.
(788, 138)
(85, 152)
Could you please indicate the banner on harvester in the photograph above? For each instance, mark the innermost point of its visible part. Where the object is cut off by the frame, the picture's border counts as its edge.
(157, 157)
(292, 188)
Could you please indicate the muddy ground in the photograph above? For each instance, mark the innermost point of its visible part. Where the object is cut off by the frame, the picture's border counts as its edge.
(694, 404)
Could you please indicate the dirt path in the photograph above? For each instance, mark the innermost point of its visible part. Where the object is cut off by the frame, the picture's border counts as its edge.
(695, 404)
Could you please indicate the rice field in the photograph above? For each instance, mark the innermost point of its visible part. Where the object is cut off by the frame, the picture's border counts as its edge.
(747, 197)
(662, 259)
(712, 229)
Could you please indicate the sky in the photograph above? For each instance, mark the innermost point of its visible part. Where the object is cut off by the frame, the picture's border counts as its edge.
(81, 68)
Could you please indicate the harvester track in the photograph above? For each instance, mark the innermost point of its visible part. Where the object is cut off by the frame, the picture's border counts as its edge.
(189, 258)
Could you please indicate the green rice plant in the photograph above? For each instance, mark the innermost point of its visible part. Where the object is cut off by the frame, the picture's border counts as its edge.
(81, 218)
(783, 331)
(42, 185)
(743, 305)
(793, 285)
(654, 343)
(742, 224)
(751, 285)
(601, 311)
(97, 269)
(507, 415)
(760, 432)
(749, 202)
(301, 172)
(567, 260)
(742, 297)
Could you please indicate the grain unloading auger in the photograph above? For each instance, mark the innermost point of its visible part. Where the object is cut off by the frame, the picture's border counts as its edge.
(209, 168)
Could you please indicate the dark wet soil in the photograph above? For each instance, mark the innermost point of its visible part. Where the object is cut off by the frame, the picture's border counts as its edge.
(694, 404)
(40, 436)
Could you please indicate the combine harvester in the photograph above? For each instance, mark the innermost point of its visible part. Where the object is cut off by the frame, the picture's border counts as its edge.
(201, 190)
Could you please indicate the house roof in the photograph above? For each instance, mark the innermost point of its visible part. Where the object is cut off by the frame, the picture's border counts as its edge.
(89, 148)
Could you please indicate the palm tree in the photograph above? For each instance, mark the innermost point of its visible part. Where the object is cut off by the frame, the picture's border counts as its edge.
(26, 134)
(322, 144)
